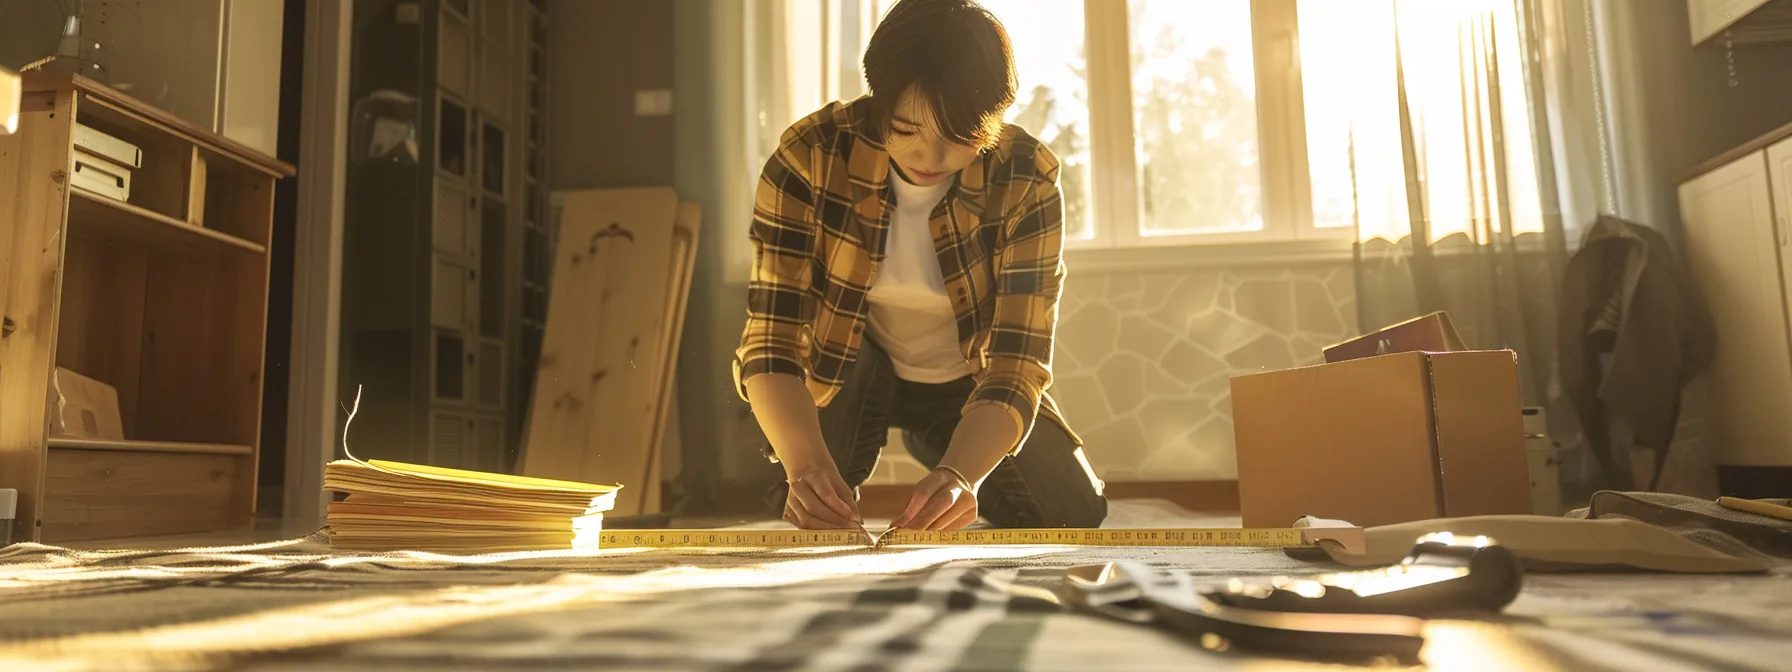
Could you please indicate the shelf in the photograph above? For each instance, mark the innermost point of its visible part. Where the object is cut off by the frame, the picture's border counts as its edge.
(117, 218)
(150, 446)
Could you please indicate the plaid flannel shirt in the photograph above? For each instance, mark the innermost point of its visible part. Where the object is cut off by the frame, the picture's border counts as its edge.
(820, 221)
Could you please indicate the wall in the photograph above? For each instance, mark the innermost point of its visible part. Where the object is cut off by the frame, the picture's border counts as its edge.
(712, 168)
(1144, 360)
(249, 104)
(167, 53)
(601, 53)
(1671, 104)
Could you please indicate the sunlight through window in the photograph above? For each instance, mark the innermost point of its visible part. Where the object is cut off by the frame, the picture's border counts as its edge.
(1449, 52)
(1192, 154)
(1053, 99)
(1195, 117)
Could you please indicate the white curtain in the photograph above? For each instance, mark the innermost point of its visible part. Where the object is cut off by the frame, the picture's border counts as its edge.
(776, 61)
(803, 54)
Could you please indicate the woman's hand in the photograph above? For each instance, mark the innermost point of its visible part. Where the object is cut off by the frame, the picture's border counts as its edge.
(819, 499)
(947, 498)
(943, 500)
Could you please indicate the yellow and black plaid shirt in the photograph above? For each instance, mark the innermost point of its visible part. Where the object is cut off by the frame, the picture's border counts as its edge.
(820, 221)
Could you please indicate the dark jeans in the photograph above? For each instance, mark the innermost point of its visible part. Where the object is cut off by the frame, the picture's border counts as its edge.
(1048, 484)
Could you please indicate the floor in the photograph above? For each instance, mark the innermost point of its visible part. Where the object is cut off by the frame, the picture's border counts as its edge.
(295, 604)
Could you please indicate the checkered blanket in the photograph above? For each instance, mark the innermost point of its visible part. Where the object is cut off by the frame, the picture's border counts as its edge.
(297, 605)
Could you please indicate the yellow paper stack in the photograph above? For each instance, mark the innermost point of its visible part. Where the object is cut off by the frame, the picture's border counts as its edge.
(395, 506)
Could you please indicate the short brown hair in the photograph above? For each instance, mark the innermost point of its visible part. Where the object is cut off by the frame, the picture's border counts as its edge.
(953, 53)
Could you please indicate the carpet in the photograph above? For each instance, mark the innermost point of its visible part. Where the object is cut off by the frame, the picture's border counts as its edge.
(296, 605)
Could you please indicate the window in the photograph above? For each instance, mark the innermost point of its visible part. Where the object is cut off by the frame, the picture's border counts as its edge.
(1154, 110)
(1185, 122)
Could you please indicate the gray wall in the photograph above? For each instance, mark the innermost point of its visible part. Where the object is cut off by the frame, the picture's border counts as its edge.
(600, 53)
(1673, 105)
(718, 460)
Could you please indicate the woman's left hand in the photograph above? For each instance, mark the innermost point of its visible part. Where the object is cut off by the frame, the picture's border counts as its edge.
(942, 501)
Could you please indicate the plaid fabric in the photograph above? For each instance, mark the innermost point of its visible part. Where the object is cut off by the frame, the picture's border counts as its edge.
(820, 221)
(296, 605)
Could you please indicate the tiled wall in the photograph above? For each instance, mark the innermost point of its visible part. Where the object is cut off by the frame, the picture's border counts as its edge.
(1144, 360)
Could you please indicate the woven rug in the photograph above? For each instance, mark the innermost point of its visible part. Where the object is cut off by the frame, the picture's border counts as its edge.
(296, 605)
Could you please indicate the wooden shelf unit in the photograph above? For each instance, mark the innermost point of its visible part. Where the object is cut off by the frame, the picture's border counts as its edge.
(163, 297)
(105, 218)
(70, 443)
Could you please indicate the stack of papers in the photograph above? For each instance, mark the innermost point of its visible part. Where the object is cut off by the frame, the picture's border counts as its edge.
(395, 506)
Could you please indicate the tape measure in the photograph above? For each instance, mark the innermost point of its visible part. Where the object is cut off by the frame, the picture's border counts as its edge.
(1347, 537)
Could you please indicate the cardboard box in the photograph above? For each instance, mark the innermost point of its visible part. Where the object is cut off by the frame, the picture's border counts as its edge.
(102, 177)
(84, 408)
(100, 144)
(1391, 438)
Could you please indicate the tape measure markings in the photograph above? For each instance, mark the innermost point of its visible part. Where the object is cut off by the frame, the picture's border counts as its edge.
(1160, 537)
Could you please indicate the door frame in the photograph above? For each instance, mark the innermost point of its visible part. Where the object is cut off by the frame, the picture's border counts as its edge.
(317, 261)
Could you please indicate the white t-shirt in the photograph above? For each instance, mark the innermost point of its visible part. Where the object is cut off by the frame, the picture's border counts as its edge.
(910, 315)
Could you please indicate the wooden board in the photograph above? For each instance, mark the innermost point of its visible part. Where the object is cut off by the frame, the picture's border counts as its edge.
(590, 418)
(678, 295)
(203, 337)
(101, 322)
(72, 443)
(34, 172)
(104, 494)
(671, 453)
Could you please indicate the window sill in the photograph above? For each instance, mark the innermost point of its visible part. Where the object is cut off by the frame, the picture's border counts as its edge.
(1208, 255)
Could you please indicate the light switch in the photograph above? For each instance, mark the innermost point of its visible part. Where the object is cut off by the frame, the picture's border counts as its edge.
(653, 103)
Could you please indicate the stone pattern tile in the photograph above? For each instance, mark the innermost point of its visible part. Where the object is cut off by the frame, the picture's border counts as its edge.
(1144, 361)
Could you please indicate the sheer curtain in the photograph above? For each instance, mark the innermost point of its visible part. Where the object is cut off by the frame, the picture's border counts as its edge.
(1446, 152)
(1448, 167)
(804, 54)
(1455, 116)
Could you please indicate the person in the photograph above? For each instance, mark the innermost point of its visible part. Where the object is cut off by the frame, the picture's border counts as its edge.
(906, 274)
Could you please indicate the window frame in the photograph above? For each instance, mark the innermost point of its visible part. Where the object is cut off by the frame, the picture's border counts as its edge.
(1117, 207)
(823, 72)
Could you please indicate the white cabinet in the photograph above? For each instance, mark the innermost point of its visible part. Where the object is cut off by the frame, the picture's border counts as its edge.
(1737, 249)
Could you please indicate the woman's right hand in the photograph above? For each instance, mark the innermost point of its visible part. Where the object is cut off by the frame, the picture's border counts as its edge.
(819, 499)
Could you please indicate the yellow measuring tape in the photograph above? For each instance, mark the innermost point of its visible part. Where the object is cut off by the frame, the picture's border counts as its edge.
(1347, 537)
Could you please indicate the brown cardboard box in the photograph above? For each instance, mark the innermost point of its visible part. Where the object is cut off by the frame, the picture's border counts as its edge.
(84, 408)
(1383, 439)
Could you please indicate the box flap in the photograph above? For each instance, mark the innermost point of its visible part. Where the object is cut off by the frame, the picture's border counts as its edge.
(1481, 463)
(1430, 333)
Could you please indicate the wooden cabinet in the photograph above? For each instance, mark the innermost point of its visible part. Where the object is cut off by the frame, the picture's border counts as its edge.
(161, 296)
(1739, 251)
